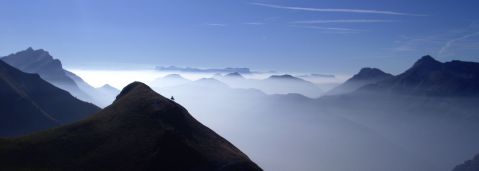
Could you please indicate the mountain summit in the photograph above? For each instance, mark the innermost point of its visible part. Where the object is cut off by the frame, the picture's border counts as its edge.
(141, 130)
(364, 77)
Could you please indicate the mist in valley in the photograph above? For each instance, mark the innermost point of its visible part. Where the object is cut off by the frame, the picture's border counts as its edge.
(291, 130)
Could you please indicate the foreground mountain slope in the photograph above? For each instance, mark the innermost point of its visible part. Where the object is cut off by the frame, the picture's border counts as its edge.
(28, 103)
(141, 130)
(364, 77)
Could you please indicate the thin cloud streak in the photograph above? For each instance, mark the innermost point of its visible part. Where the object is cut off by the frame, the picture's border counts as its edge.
(450, 43)
(253, 23)
(335, 30)
(343, 10)
(216, 24)
(343, 21)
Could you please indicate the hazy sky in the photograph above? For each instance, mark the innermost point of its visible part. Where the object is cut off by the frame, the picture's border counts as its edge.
(327, 36)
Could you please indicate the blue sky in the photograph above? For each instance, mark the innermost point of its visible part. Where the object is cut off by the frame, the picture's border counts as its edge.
(328, 36)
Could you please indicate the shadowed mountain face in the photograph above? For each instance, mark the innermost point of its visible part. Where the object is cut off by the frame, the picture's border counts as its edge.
(141, 130)
(28, 103)
(51, 70)
(364, 77)
(433, 78)
(42, 63)
(470, 165)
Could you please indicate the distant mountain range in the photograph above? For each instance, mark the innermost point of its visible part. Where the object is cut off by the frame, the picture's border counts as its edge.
(28, 103)
(199, 70)
(50, 69)
(275, 84)
(141, 130)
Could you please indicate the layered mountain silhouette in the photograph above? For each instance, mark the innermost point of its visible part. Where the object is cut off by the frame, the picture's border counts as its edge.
(470, 165)
(364, 77)
(50, 69)
(141, 130)
(433, 78)
(28, 103)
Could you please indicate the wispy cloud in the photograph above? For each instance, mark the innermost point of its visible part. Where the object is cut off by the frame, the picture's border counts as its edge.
(446, 44)
(216, 24)
(343, 21)
(254, 23)
(342, 10)
(335, 30)
(452, 41)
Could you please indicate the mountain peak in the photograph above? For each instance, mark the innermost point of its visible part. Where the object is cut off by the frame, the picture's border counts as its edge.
(132, 88)
(370, 73)
(427, 61)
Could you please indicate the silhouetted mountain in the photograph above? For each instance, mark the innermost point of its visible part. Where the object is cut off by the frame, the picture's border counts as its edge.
(210, 70)
(433, 78)
(470, 165)
(169, 80)
(41, 62)
(28, 103)
(364, 77)
(141, 130)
